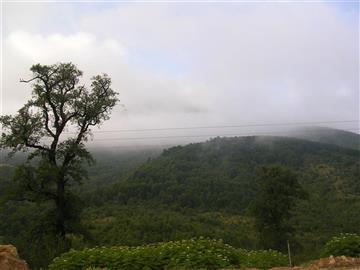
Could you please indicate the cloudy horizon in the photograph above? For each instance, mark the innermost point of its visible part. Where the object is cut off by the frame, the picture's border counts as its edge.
(195, 64)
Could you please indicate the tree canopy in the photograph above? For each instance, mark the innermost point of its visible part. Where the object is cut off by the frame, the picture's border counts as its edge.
(278, 191)
(60, 104)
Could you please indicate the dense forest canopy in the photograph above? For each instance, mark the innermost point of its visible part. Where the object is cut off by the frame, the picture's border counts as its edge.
(200, 189)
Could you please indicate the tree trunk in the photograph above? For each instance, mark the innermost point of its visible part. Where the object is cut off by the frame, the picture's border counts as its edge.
(60, 208)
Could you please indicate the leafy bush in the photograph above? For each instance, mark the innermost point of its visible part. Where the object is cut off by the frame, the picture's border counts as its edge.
(346, 244)
(185, 254)
(201, 253)
(197, 254)
(135, 258)
(263, 259)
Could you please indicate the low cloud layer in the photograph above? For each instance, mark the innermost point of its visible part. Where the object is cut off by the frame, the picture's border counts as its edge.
(191, 64)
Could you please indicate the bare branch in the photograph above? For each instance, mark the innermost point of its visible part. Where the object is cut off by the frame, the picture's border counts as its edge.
(27, 144)
(27, 81)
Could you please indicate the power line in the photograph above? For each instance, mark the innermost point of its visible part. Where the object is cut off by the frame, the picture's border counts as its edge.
(205, 135)
(223, 126)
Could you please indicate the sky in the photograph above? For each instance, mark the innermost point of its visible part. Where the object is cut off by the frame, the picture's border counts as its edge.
(194, 64)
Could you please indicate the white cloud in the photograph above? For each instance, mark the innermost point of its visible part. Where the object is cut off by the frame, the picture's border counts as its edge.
(58, 47)
(240, 63)
(143, 93)
(243, 52)
(23, 49)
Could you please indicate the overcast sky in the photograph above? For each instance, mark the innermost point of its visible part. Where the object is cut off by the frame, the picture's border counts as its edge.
(195, 64)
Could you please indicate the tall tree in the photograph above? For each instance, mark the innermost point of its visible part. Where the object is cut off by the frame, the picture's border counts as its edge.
(59, 103)
(278, 190)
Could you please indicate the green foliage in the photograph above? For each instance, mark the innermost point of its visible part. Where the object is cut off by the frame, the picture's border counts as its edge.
(345, 244)
(41, 249)
(186, 254)
(28, 227)
(220, 174)
(137, 225)
(278, 191)
(58, 102)
(263, 259)
(197, 254)
(205, 189)
(200, 253)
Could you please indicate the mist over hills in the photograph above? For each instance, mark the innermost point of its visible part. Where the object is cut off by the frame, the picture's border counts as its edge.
(328, 135)
(114, 163)
(221, 172)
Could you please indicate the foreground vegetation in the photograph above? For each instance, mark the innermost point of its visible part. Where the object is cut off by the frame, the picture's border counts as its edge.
(196, 253)
(347, 244)
(186, 254)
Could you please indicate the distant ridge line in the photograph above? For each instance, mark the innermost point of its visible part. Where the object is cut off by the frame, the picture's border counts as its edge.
(206, 135)
(224, 126)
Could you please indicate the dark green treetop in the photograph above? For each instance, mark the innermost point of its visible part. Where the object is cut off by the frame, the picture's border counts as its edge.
(277, 195)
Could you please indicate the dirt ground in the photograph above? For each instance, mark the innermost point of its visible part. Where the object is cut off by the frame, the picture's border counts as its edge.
(330, 263)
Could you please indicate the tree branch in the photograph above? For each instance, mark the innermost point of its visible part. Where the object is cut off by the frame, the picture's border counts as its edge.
(27, 81)
(27, 144)
(70, 155)
(52, 105)
(45, 111)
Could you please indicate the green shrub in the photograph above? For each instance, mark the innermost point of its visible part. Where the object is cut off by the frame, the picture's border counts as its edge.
(197, 254)
(346, 244)
(186, 254)
(201, 253)
(263, 259)
(112, 258)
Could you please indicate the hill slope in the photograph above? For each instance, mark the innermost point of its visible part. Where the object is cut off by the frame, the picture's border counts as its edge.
(328, 135)
(207, 189)
(202, 189)
(221, 173)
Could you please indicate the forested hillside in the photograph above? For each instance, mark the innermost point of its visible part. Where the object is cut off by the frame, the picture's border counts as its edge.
(328, 135)
(207, 189)
(201, 189)
(221, 173)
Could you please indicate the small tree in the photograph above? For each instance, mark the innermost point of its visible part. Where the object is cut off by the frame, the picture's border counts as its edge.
(59, 103)
(277, 194)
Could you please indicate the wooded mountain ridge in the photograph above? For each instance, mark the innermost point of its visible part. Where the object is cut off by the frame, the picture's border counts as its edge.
(199, 189)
